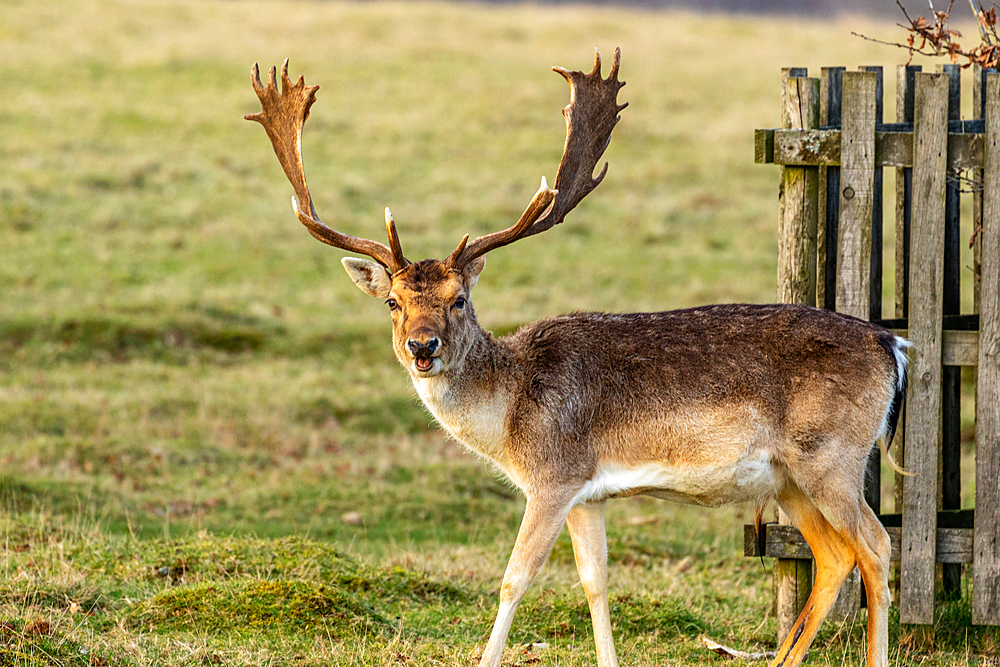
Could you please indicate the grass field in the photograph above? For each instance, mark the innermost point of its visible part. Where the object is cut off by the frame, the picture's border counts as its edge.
(208, 453)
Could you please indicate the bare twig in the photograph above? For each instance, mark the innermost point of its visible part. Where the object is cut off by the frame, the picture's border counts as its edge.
(982, 28)
(936, 38)
(733, 653)
(967, 180)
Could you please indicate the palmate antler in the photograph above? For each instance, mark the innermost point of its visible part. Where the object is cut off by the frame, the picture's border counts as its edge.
(591, 115)
(283, 115)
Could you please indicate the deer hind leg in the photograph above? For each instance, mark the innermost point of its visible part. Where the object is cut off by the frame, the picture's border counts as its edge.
(835, 558)
(872, 547)
(590, 548)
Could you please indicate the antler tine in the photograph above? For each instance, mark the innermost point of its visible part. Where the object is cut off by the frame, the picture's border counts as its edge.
(539, 204)
(591, 115)
(394, 247)
(283, 115)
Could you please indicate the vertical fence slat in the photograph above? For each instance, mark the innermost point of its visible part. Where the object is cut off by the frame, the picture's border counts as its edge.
(857, 177)
(796, 284)
(904, 183)
(904, 187)
(923, 414)
(978, 99)
(831, 91)
(952, 303)
(875, 294)
(873, 489)
(986, 540)
(857, 170)
(951, 383)
(978, 111)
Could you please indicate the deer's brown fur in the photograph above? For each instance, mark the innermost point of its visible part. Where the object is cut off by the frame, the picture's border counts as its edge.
(710, 405)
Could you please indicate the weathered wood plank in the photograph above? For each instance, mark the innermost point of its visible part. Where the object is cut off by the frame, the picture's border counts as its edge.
(958, 348)
(873, 493)
(854, 235)
(923, 414)
(831, 94)
(791, 591)
(857, 174)
(763, 146)
(978, 110)
(790, 115)
(904, 194)
(796, 284)
(901, 288)
(873, 476)
(797, 227)
(951, 382)
(954, 545)
(777, 541)
(978, 113)
(986, 559)
(892, 149)
(904, 187)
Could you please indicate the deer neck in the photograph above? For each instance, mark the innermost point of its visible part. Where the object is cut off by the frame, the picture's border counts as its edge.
(472, 399)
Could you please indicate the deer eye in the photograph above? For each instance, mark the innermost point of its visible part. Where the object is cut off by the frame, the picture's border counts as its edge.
(392, 304)
(459, 303)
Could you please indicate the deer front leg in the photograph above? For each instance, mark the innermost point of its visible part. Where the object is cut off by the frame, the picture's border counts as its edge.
(543, 519)
(590, 547)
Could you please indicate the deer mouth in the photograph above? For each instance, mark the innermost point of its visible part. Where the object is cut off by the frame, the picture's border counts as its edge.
(424, 364)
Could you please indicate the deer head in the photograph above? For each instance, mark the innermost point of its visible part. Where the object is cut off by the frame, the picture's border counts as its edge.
(430, 301)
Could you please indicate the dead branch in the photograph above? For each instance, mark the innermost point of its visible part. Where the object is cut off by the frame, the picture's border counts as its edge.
(934, 37)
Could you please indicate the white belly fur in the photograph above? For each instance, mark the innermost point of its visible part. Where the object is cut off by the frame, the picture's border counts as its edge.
(749, 478)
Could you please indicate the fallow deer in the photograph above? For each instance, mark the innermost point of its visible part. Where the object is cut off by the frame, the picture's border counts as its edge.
(710, 405)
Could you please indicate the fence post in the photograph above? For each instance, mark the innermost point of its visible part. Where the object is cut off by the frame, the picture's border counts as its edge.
(797, 233)
(923, 414)
(798, 210)
(986, 540)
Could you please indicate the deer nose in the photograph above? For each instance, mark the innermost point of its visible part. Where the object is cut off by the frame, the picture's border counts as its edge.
(423, 349)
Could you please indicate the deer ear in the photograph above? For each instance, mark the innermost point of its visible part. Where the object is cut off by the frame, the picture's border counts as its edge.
(370, 277)
(473, 269)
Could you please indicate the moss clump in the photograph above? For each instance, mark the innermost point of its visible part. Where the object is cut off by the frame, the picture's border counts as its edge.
(191, 560)
(556, 615)
(255, 606)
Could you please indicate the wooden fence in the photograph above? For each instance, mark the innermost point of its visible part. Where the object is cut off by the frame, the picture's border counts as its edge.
(833, 147)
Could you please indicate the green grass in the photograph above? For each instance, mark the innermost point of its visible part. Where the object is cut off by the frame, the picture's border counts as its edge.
(208, 453)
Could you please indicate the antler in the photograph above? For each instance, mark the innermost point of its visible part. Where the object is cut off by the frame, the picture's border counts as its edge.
(591, 115)
(283, 115)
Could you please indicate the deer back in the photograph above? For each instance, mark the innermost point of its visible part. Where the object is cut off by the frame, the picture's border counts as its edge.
(697, 387)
